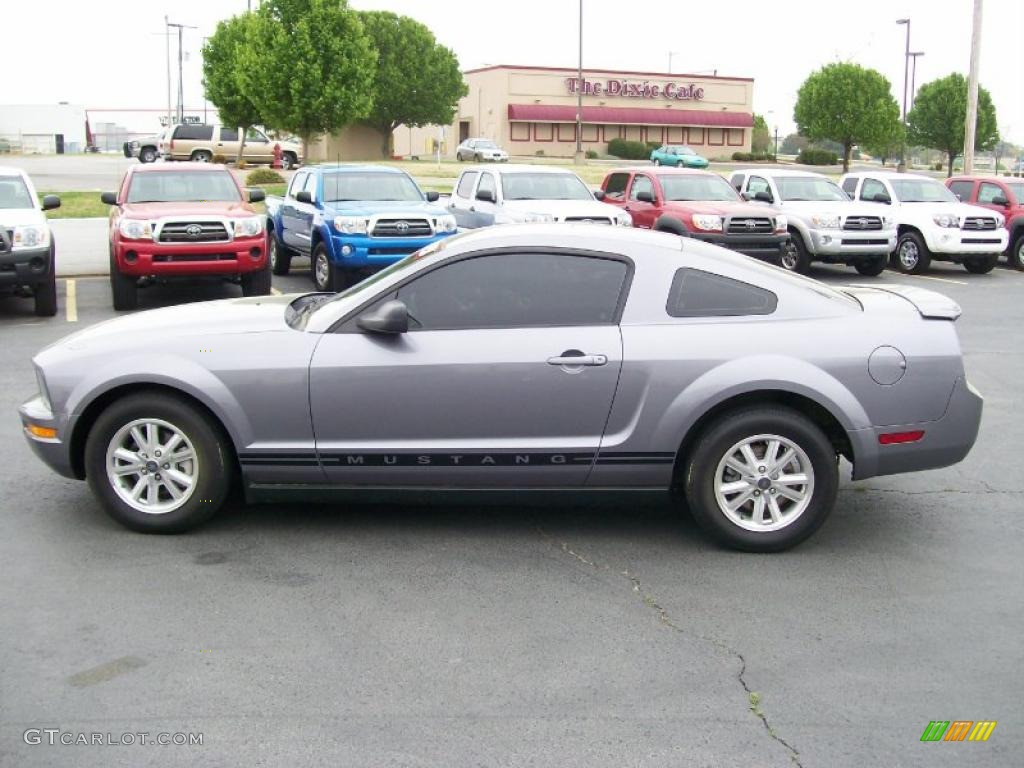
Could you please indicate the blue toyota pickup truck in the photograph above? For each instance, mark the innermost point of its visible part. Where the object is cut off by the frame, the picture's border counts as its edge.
(350, 219)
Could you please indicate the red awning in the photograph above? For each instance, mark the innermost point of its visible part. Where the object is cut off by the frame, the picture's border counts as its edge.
(558, 113)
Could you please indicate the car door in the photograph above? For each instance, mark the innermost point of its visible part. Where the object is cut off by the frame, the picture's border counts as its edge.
(872, 187)
(643, 213)
(227, 142)
(989, 191)
(258, 148)
(505, 377)
(462, 199)
(290, 223)
(484, 210)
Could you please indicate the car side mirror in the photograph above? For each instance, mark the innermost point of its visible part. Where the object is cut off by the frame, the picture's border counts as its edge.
(644, 196)
(108, 198)
(599, 194)
(1000, 200)
(303, 197)
(487, 195)
(257, 195)
(50, 202)
(432, 196)
(390, 317)
(764, 197)
(881, 197)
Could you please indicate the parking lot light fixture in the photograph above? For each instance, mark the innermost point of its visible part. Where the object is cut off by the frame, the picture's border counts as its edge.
(906, 76)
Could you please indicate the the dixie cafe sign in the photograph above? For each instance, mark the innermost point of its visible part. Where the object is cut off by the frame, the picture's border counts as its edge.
(634, 89)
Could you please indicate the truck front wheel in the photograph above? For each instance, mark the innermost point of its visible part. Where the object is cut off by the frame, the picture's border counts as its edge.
(280, 258)
(912, 256)
(257, 283)
(981, 265)
(794, 256)
(45, 295)
(871, 267)
(123, 288)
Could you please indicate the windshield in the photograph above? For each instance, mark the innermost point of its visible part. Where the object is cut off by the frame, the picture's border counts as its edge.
(697, 187)
(544, 186)
(684, 151)
(183, 187)
(800, 188)
(487, 144)
(921, 191)
(346, 186)
(14, 193)
(1017, 187)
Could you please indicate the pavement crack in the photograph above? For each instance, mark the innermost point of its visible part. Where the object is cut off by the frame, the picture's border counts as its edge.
(649, 600)
(989, 490)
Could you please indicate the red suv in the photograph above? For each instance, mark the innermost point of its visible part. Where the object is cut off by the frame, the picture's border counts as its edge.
(1004, 195)
(697, 204)
(175, 221)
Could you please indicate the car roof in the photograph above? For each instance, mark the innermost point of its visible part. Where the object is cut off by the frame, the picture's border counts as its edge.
(662, 170)
(892, 175)
(978, 177)
(781, 172)
(354, 168)
(178, 168)
(505, 168)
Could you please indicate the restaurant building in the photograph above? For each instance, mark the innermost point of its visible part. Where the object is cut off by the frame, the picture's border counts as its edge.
(531, 111)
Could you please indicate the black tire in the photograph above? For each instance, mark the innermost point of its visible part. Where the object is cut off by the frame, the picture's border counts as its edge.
(1015, 256)
(279, 257)
(257, 283)
(123, 288)
(476, 157)
(794, 256)
(212, 454)
(202, 156)
(911, 256)
(871, 267)
(714, 445)
(657, 161)
(147, 155)
(981, 265)
(45, 295)
(459, 157)
(326, 275)
(288, 160)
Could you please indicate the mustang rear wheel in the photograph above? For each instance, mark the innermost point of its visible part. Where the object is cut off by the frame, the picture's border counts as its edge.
(762, 479)
(156, 464)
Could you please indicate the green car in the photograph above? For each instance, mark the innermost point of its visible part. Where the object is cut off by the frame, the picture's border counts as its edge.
(677, 155)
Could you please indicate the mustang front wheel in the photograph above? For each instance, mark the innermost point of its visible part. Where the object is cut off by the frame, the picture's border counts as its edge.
(762, 479)
(156, 463)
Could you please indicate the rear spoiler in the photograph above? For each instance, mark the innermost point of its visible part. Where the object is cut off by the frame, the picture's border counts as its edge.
(930, 304)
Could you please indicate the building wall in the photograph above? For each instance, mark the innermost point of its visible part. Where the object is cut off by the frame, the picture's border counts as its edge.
(34, 127)
(355, 142)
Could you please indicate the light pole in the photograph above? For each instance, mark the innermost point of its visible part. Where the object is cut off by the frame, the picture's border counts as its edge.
(913, 76)
(579, 95)
(971, 123)
(906, 76)
(670, 55)
(181, 97)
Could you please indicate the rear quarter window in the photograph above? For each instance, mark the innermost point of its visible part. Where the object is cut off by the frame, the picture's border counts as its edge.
(696, 293)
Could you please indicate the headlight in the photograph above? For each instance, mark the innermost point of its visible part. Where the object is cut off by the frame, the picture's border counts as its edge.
(708, 223)
(781, 223)
(539, 218)
(135, 229)
(446, 223)
(31, 236)
(623, 219)
(825, 221)
(44, 393)
(249, 227)
(946, 220)
(350, 225)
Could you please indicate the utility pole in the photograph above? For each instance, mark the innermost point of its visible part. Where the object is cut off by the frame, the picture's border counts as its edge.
(579, 95)
(204, 85)
(181, 98)
(972, 92)
(906, 74)
(913, 77)
(671, 54)
(167, 40)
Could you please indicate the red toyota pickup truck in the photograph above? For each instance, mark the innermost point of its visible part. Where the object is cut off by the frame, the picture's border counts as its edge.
(1005, 196)
(169, 222)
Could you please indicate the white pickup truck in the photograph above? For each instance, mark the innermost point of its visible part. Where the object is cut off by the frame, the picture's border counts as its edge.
(513, 194)
(824, 224)
(27, 264)
(932, 223)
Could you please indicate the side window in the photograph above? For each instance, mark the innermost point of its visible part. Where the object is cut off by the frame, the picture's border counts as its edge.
(194, 132)
(310, 185)
(465, 188)
(737, 181)
(641, 184)
(486, 183)
(256, 137)
(297, 181)
(757, 184)
(229, 134)
(695, 293)
(962, 190)
(850, 186)
(988, 192)
(517, 290)
(870, 188)
(615, 187)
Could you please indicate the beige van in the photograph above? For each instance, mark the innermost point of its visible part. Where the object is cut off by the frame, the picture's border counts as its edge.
(201, 143)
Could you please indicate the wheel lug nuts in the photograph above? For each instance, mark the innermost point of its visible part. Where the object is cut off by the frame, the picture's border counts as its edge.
(158, 453)
(757, 493)
(143, 471)
(773, 490)
(157, 475)
(761, 470)
(167, 466)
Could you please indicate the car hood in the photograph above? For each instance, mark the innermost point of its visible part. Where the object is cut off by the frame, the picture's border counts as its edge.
(167, 210)
(16, 217)
(955, 209)
(560, 209)
(717, 208)
(834, 207)
(383, 207)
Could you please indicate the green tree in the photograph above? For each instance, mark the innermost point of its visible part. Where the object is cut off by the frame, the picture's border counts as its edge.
(311, 70)
(793, 144)
(418, 80)
(888, 146)
(225, 77)
(845, 103)
(760, 136)
(940, 113)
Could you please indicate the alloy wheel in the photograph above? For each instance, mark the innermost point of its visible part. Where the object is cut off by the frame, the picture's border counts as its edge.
(908, 254)
(322, 271)
(152, 466)
(789, 258)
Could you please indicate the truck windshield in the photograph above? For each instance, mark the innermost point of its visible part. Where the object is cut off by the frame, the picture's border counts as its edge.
(14, 193)
(921, 191)
(1017, 187)
(797, 188)
(347, 186)
(544, 186)
(184, 187)
(696, 187)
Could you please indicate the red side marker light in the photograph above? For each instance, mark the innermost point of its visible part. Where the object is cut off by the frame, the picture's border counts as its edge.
(895, 438)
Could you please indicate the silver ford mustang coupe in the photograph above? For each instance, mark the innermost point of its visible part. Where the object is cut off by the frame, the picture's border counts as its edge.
(556, 357)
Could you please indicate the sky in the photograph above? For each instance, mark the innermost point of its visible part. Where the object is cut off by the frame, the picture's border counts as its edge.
(110, 54)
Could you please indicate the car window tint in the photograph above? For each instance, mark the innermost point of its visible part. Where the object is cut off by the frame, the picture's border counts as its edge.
(850, 186)
(465, 188)
(256, 137)
(695, 293)
(640, 184)
(962, 190)
(737, 181)
(229, 134)
(194, 132)
(988, 192)
(516, 290)
(872, 187)
(486, 183)
(615, 188)
(310, 185)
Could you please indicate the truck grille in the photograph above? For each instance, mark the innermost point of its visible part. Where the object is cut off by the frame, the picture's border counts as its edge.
(168, 258)
(402, 228)
(862, 223)
(979, 222)
(749, 225)
(588, 219)
(193, 232)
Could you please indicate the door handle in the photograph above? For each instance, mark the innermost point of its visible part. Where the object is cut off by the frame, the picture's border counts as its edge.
(573, 361)
(472, 209)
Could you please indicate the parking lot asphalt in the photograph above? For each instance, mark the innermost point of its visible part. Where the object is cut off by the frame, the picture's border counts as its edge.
(441, 634)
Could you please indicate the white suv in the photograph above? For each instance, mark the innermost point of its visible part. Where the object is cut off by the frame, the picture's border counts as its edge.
(824, 224)
(27, 262)
(931, 222)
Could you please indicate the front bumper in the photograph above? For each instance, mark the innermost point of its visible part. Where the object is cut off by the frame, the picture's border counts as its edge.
(956, 243)
(53, 451)
(142, 258)
(25, 267)
(759, 246)
(840, 243)
(359, 251)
